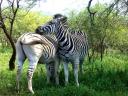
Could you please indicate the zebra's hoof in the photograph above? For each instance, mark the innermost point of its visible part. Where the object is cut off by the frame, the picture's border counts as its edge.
(32, 91)
(57, 83)
(47, 83)
(18, 91)
(77, 84)
(66, 83)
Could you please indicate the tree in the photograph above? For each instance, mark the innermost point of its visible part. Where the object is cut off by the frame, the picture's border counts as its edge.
(12, 7)
(103, 25)
(101, 22)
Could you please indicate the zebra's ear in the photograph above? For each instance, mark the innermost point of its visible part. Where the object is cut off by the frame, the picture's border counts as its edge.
(57, 16)
(64, 18)
(60, 17)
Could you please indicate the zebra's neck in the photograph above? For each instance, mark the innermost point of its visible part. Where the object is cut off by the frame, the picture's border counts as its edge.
(64, 38)
(61, 32)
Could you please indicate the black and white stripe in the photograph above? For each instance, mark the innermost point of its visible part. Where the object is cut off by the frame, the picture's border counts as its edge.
(73, 46)
(38, 49)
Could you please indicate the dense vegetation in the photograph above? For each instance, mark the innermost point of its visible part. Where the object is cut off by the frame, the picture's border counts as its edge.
(106, 78)
(106, 30)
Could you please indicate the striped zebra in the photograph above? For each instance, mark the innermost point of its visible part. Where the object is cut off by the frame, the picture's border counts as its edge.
(72, 46)
(78, 33)
(38, 49)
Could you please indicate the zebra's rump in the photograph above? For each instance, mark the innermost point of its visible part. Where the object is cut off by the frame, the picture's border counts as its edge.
(45, 48)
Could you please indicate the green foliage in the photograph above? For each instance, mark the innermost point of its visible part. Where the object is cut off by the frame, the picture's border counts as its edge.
(28, 22)
(108, 26)
(106, 78)
(25, 22)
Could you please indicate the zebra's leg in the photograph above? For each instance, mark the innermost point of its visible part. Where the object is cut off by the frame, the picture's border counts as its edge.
(75, 69)
(19, 71)
(56, 73)
(48, 73)
(66, 72)
(32, 66)
(20, 56)
(81, 66)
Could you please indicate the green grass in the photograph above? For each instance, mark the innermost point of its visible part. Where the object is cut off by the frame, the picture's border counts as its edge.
(106, 78)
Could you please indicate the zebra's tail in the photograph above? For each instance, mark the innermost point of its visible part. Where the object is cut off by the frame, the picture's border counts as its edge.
(12, 61)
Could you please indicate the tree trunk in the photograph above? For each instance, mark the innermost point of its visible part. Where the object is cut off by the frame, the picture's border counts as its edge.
(13, 57)
(101, 49)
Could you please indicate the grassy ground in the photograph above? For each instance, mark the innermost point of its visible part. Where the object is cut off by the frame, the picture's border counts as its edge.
(106, 78)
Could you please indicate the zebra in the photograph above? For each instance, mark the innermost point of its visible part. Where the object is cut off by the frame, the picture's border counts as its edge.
(78, 33)
(72, 48)
(82, 35)
(38, 49)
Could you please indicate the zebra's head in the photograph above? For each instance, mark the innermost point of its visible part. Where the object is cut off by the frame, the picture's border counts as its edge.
(57, 16)
(47, 28)
(60, 16)
(50, 27)
(61, 20)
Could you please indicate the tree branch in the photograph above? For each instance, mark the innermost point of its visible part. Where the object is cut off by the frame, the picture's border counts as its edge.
(111, 7)
(14, 12)
(88, 7)
(1, 18)
(90, 12)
